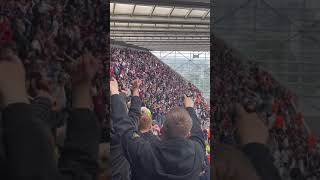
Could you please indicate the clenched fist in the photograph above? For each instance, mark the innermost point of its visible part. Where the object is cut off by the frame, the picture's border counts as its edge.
(84, 69)
(136, 83)
(135, 87)
(114, 87)
(188, 102)
(251, 128)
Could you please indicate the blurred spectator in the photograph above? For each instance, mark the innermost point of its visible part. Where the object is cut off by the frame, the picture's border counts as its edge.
(237, 81)
(50, 38)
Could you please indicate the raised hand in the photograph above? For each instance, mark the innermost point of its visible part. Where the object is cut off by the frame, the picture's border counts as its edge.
(188, 102)
(135, 87)
(136, 83)
(12, 78)
(250, 127)
(114, 87)
(82, 74)
(84, 69)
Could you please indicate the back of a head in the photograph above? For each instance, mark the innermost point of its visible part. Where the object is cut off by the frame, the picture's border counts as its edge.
(145, 123)
(178, 123)
(230, 163)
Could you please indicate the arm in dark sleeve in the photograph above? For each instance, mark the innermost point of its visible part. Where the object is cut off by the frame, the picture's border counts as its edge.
(79, 155)
(41, 107)
(30, 152)
(261, 159)
(196, 131)
(135, 110)
(134, 147)
(120, 119)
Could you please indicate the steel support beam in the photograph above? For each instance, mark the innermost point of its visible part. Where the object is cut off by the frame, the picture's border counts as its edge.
(175, 48)
(166, 41)
(202, 4)
(171, 44)
(164, 38)
(158, 20)
(156, 36)
(148, 29)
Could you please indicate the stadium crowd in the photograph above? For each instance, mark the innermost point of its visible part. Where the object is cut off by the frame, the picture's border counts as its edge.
(137, 153)
(51, 38)
(296, 151)
(162, 90)
(162, 86)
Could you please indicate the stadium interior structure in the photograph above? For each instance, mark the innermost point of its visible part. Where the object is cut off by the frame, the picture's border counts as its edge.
(177, 32)
(282, 36)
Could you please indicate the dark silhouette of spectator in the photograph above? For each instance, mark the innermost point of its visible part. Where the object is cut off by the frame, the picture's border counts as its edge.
(181, 153)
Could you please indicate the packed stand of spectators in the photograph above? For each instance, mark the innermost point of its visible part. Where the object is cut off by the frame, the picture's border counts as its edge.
(137, 153)
(161, 90)
(296, 151)
(50, 37)
(162, 86)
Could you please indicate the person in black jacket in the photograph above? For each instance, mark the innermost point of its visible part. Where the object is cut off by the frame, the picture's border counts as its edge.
(120, 166)
(145, 128)
(252, 160)
(179, 156)
(29, 150)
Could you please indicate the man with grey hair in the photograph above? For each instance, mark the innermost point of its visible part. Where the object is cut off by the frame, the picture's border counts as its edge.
(179, 156)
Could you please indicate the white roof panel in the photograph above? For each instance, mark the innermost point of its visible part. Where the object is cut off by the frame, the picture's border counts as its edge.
(197, 13)
(162, 11)
(129, 18)
(179, 12)
(123, 9)
(142, 10)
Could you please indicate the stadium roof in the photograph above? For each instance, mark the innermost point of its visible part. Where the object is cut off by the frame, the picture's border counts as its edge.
(162, 25)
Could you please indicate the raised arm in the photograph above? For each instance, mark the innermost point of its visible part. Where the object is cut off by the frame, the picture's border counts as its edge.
(196, 131)
(29, 151)
(120, 119)
(135, 108)
(125, 129)
(253, 137)
(80, 153)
